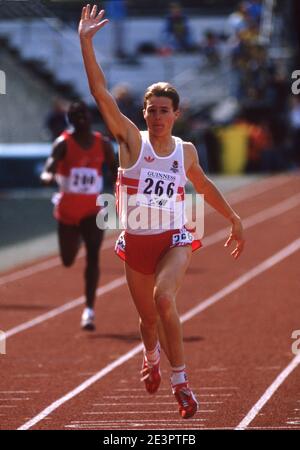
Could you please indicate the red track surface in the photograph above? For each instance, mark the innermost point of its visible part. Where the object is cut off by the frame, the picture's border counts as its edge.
(235, 348)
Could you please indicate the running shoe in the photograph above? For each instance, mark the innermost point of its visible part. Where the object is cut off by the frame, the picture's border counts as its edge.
(88, 319)
(187, 402)
(151, 376)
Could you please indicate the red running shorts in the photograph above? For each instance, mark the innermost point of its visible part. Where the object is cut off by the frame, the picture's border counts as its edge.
(143, 252)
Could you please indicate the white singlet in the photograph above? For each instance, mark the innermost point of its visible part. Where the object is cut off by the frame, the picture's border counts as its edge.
(150, 194)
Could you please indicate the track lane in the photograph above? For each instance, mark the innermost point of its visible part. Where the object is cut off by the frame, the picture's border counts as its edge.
(128, 332)
(221, 398)
(217, 268)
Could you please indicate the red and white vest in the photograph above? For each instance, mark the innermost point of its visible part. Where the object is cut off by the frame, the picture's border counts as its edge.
(150, 194)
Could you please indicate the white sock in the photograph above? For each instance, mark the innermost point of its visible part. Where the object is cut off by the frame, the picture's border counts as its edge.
(179, 375)
(153, 356)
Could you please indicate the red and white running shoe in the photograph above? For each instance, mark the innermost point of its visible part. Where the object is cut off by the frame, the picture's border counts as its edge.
(151, 376)
(187, 402)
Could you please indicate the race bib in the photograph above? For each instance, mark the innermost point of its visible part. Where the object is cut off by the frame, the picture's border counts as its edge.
(84, 180)
(182, 238)
(157, 189)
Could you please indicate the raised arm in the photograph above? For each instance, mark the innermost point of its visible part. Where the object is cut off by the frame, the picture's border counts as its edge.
(119, 125)
(203, 185)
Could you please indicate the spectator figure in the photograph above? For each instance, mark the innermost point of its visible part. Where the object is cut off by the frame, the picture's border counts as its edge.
(127, 102)
(260, 147)
(234, 143)
(117, 11)
(209, 48)
(177, 29)
(56, 121)
(254, 9)
(237, 20)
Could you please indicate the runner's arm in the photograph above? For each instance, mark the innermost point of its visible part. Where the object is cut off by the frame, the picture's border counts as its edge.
(58, 153)
(119, 125)
(203, 185)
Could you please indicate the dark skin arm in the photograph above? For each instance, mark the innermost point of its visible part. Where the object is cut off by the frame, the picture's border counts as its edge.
(58, 153)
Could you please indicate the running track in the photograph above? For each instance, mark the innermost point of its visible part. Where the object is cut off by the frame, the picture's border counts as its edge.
(238, 317)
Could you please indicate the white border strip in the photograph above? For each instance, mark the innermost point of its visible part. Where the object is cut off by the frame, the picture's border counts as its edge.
(260, 268)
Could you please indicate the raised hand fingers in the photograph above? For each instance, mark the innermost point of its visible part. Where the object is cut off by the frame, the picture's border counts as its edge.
(100, 15)
(87, 11)
(83, 13)
(94, 12)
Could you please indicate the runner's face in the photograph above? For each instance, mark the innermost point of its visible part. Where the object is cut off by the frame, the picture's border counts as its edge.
(79, 117)
(160, 115)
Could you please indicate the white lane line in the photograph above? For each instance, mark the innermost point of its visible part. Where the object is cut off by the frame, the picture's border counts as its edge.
(20, 392)
(250, 416)
(112, 413)
(234, 197)
(165, 395)
(251, 221)
(255, 219)
(259, 269)
(147, 403)
(195, 388)
(130, 421)
(61, 309)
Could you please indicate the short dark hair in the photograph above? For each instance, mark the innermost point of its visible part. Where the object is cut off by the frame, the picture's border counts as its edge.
(162, 89)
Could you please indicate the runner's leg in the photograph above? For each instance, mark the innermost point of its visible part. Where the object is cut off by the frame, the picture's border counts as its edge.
(141, 289)
(92, 237)
(168, 279)
(69, 242)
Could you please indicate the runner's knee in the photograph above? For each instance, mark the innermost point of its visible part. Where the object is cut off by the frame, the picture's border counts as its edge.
(164, 302)
(148, 322)
(67, 260)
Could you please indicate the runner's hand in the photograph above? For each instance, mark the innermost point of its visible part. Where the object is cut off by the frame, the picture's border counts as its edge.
(90, 21)
(47, 177)
(236, 235)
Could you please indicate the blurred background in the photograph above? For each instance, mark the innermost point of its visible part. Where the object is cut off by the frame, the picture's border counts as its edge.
(232, 63)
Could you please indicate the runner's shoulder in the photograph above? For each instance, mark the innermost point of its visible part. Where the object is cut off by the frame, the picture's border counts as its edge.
(59, 147)
(190, 152)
